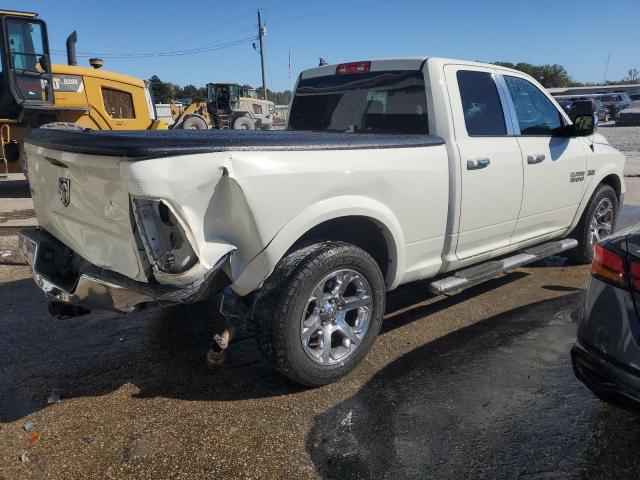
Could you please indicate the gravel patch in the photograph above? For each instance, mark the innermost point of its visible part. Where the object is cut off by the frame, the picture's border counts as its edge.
(627, 140)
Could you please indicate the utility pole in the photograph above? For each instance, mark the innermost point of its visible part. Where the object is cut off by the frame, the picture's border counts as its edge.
(261, 33)
(606, 68)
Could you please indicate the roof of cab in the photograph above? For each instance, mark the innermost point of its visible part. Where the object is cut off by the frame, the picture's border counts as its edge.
(18, 13)
(399, 63)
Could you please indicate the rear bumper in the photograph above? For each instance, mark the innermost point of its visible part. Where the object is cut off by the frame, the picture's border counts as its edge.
(611, 382)
(64, 277)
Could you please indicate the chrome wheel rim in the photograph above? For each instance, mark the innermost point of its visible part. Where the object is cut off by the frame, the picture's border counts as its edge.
(602, 222)
(336, 317)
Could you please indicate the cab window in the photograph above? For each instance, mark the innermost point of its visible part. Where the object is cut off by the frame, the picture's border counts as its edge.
(536, 113)
(483, 115)
(26, 44)
(118, 104)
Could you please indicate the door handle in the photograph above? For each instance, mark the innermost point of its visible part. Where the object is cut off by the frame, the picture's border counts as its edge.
(478, 163)
(535, 158)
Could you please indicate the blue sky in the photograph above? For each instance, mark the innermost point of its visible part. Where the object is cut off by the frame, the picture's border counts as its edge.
(569, 32)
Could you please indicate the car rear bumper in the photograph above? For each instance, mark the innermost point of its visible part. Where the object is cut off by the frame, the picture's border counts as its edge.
(66, 278)
(612, 382)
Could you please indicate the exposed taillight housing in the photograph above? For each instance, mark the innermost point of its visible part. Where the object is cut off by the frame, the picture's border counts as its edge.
(353, 67)
(613, 267)
(163, 236)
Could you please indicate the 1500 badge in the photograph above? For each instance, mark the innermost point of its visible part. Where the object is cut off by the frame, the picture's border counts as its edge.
(576, 177)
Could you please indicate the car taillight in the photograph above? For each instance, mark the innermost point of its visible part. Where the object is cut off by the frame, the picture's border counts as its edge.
(634, 276)
(608, 266)
(353, 67)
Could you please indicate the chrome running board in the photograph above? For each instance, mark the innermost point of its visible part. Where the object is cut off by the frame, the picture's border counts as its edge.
(494, 268)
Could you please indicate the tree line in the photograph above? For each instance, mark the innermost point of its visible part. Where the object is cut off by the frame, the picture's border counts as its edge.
(552, 76)
(165, 92)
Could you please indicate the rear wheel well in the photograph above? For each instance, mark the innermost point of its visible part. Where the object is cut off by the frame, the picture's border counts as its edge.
(363, 232)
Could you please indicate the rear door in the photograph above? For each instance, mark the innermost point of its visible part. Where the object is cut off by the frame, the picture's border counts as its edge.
(554, 165)
(491, 165)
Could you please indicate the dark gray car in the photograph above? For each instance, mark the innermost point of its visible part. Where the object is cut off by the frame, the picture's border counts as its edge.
(630, 115)
(606, 356)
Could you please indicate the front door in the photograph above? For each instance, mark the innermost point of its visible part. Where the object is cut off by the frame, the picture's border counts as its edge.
(491, 165)
(554, 165)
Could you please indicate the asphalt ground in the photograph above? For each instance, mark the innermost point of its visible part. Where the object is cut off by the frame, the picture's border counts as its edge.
(477, 385)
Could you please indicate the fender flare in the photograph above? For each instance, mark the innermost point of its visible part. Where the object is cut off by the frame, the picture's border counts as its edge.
(602, 173)
(261, 266)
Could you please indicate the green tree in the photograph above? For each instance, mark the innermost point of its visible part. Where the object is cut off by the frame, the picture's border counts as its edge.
(633, 75)
(548, 75)
(163, 92)
(196, 94)
(279, 98)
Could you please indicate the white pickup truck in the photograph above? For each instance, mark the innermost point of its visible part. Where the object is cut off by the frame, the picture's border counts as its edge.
(390, 171)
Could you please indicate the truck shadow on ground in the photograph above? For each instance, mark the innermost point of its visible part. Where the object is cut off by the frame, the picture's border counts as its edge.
(14, 189)
(496, 399)
(161, 352)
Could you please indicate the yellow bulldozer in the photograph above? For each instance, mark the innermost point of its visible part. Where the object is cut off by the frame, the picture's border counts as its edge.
(34, 92)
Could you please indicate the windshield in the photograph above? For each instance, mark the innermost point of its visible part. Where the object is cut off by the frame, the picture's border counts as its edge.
(373, 102)
(234, 91)
(26, 44)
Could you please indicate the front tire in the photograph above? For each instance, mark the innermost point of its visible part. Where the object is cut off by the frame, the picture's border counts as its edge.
(597, 222)
(320, 311)
(244, 123)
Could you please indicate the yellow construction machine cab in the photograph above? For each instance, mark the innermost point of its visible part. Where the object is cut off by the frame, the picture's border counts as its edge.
(223, 98)
(26, 84)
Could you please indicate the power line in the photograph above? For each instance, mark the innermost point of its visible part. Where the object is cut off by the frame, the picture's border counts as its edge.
(170, 53)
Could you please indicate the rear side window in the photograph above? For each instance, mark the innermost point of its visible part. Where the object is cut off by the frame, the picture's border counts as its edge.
(372, 102)
(481, 105)
(118, 104)
(536, 113)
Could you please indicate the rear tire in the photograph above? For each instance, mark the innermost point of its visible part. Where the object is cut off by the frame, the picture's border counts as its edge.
(601, 211)
(244, 123)
(296, 312)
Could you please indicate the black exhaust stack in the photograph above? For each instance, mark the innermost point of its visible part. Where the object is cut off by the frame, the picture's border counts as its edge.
(71, 48)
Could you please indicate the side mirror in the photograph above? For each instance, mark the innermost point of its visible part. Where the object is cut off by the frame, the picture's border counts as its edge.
(44, 63)
(583, 126)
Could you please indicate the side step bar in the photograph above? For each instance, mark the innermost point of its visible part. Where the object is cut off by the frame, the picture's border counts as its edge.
(493, 268)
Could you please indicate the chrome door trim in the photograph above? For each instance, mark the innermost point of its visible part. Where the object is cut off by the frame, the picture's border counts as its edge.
(513, 127)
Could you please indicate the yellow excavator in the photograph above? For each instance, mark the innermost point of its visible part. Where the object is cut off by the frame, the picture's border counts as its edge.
(33, 92)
